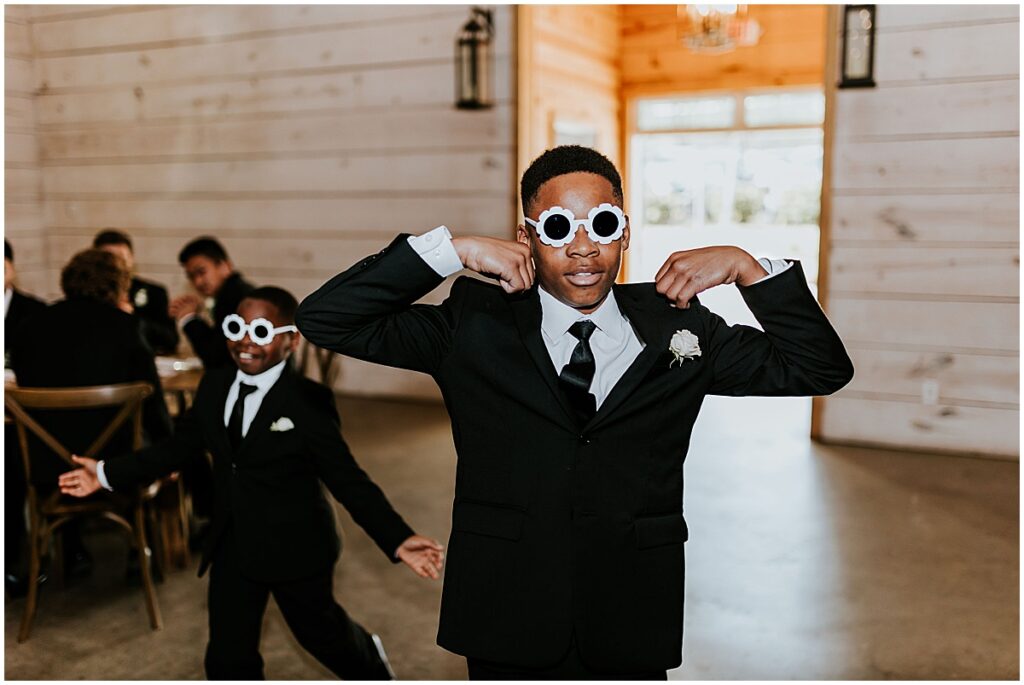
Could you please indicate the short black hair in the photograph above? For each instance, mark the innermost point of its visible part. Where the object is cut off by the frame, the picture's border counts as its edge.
(279, 297)
(8, 251)
(566, 159)
(112, 236)
(204, 246)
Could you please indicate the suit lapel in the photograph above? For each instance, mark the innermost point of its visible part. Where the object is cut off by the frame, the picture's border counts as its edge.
(270, 408)
(220, 432)
(527, 312)
(654, 323)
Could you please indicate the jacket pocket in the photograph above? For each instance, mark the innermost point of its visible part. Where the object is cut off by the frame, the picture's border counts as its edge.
(486, 519)
(657, 531)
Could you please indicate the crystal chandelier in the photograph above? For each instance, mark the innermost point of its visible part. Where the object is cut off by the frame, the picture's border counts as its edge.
(716, 28)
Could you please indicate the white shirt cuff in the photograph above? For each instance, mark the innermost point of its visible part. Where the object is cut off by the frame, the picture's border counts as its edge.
(185, 319)
(102, 477)
(774, 267)
(436, 249)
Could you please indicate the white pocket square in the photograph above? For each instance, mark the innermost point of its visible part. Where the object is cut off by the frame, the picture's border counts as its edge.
(281, 425)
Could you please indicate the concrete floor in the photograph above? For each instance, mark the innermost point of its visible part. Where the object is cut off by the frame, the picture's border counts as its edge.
(804, 562)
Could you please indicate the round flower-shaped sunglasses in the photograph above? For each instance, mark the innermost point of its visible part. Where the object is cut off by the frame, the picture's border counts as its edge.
(557, 226)
(261, 331)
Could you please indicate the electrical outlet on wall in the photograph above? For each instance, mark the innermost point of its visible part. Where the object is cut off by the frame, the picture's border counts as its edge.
(930, 391)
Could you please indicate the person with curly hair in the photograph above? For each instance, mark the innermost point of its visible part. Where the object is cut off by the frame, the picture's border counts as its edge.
(88, 338)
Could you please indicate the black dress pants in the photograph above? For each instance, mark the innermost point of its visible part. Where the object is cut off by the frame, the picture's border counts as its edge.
(570, 668)
(321, 626)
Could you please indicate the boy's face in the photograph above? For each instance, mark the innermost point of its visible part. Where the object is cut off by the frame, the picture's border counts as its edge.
(255, 359)
(207, 275)
(581, 273)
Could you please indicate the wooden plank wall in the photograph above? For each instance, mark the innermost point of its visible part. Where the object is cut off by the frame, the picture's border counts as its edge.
(304, 137)
(23, 209)
(791, 51)
(569, 69)
(924, 261)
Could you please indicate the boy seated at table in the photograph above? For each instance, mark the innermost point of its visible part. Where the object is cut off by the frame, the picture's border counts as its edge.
(274, 436)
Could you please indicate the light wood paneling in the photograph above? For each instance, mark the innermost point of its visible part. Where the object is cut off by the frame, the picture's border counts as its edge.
(924, 261)
(977, 164)
(952, 272)
(909, 17)
(378, 86)
(23, 225)
(955, 51)
(305, 137)
(326, 134)
(963, 379)
(469, 172)
(975, 325)
(939, 428)
(907, 219)
(185, 218)
(426, 39)
(932, 109)
(197, 24)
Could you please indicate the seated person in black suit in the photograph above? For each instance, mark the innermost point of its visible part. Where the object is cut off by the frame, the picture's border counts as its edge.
(275, 437)
(86, 339)
(212, 274)
(17, 307)
(148, 300)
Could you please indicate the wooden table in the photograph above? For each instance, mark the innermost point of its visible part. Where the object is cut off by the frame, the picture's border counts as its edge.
(180, 377)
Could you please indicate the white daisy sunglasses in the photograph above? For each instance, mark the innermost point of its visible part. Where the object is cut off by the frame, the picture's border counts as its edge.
(261, 331)
(557, 226)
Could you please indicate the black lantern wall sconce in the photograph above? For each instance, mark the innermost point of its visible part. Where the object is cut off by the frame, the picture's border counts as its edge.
(474, 61)
(858, 58)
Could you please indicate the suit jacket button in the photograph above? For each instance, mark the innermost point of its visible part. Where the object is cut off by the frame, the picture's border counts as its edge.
(584, 439)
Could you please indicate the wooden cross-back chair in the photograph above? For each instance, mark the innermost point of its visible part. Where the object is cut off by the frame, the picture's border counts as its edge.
(47, 514)
(325, 362)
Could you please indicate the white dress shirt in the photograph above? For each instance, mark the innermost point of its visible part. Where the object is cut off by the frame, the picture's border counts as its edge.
(614, 342)
(263, 382)
(8, 294)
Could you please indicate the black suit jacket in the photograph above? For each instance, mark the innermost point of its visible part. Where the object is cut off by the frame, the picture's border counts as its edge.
(22, 307)
(269, 490)
(208, 341)
(84, 342)
(559, 528)
(158, 328)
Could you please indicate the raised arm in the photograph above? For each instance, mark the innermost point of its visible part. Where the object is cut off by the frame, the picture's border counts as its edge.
(798, 353)
(367, 312)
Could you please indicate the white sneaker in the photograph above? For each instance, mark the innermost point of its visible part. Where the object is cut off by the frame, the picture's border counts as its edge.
(383, 656)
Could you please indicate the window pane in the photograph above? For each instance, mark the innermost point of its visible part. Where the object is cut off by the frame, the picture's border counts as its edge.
(686, 113)
(756, 178)
(784, 109)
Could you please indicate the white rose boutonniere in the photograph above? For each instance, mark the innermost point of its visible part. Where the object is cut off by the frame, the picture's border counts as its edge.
(141, 298)
(684, 345)
(281, 425)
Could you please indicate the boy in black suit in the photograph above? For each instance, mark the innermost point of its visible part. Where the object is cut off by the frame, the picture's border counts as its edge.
(274, 436)
(212, 274)
(572, 400)
(148, 300)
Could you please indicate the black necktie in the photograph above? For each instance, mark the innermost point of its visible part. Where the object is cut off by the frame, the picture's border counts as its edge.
(235, 422)
(578, 374)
